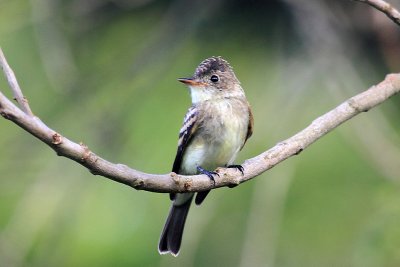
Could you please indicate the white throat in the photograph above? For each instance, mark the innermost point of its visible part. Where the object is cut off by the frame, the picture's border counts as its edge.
(200, 94)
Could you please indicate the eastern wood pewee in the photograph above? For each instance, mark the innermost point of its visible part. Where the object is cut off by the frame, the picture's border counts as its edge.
(214, 130)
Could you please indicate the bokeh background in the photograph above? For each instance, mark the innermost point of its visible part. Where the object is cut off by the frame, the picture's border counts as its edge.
(103, 72)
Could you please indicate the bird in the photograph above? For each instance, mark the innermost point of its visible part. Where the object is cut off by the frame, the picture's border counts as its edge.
(215, 128)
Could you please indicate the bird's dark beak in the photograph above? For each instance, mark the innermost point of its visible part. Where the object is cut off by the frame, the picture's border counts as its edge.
(191, 82)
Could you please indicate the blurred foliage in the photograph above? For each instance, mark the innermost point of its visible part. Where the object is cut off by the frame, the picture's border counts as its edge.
(104, 72)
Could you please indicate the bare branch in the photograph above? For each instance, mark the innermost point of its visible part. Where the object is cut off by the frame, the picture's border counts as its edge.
(228, 177)
(13, 83)
(178, 183)
(384, 7)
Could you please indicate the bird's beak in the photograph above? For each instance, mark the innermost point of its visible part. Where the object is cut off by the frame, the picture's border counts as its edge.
(191, 82)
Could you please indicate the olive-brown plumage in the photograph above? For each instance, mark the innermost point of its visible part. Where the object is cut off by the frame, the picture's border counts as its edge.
(214, 130)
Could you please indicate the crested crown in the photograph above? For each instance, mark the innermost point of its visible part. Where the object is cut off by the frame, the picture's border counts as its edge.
(212, 64)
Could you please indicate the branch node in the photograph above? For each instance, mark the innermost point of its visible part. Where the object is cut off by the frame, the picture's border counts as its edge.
(138, 184)
(232, 179)
(56, 139)
(354, 105)
(187, 183)
(174, 177)
(86, 152)
(6, 115)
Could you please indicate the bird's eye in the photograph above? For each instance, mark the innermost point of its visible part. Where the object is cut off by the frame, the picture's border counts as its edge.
(214, 78)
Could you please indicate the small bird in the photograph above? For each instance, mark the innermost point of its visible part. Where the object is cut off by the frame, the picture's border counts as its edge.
(214, 130)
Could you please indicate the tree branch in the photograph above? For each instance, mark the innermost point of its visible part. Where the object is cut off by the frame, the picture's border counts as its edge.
(384, 7)
(179, 183)
(13, 83)
(173, 182)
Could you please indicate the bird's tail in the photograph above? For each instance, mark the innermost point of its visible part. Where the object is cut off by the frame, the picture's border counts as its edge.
(171, 236)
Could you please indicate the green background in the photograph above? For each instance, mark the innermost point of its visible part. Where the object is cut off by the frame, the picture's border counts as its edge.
(105, 73)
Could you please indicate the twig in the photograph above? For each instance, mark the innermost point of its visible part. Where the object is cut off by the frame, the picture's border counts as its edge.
(13, 83)
(384, 7)
(178, 183)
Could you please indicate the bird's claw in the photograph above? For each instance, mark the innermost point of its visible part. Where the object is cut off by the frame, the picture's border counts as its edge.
(238, 167)
(210, 174)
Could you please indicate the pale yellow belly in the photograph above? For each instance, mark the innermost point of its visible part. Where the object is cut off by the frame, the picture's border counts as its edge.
(216, 147)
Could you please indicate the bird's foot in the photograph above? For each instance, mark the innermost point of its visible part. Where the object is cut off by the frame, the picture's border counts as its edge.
(210, 174)
(238, 167)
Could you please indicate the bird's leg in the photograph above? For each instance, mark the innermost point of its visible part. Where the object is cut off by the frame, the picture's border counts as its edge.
(210, 174)
(239, 167)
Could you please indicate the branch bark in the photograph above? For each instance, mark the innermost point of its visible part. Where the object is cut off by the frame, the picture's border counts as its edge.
(172, 182)
(384, 7)
(13, 83)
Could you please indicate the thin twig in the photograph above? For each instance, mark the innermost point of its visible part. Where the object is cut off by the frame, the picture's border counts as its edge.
(227, 177)
(13, 83)
(384, 7)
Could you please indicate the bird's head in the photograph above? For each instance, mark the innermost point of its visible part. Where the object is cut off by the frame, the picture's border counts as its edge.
(213, 79)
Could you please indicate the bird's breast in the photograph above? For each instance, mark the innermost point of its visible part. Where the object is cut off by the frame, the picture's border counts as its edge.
(219, 137)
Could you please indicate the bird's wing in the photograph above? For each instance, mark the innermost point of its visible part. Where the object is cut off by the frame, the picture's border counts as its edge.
(190, 124)
(249, 127)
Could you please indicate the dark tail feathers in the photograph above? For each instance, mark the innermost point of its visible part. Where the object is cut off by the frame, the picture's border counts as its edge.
(171, 236)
